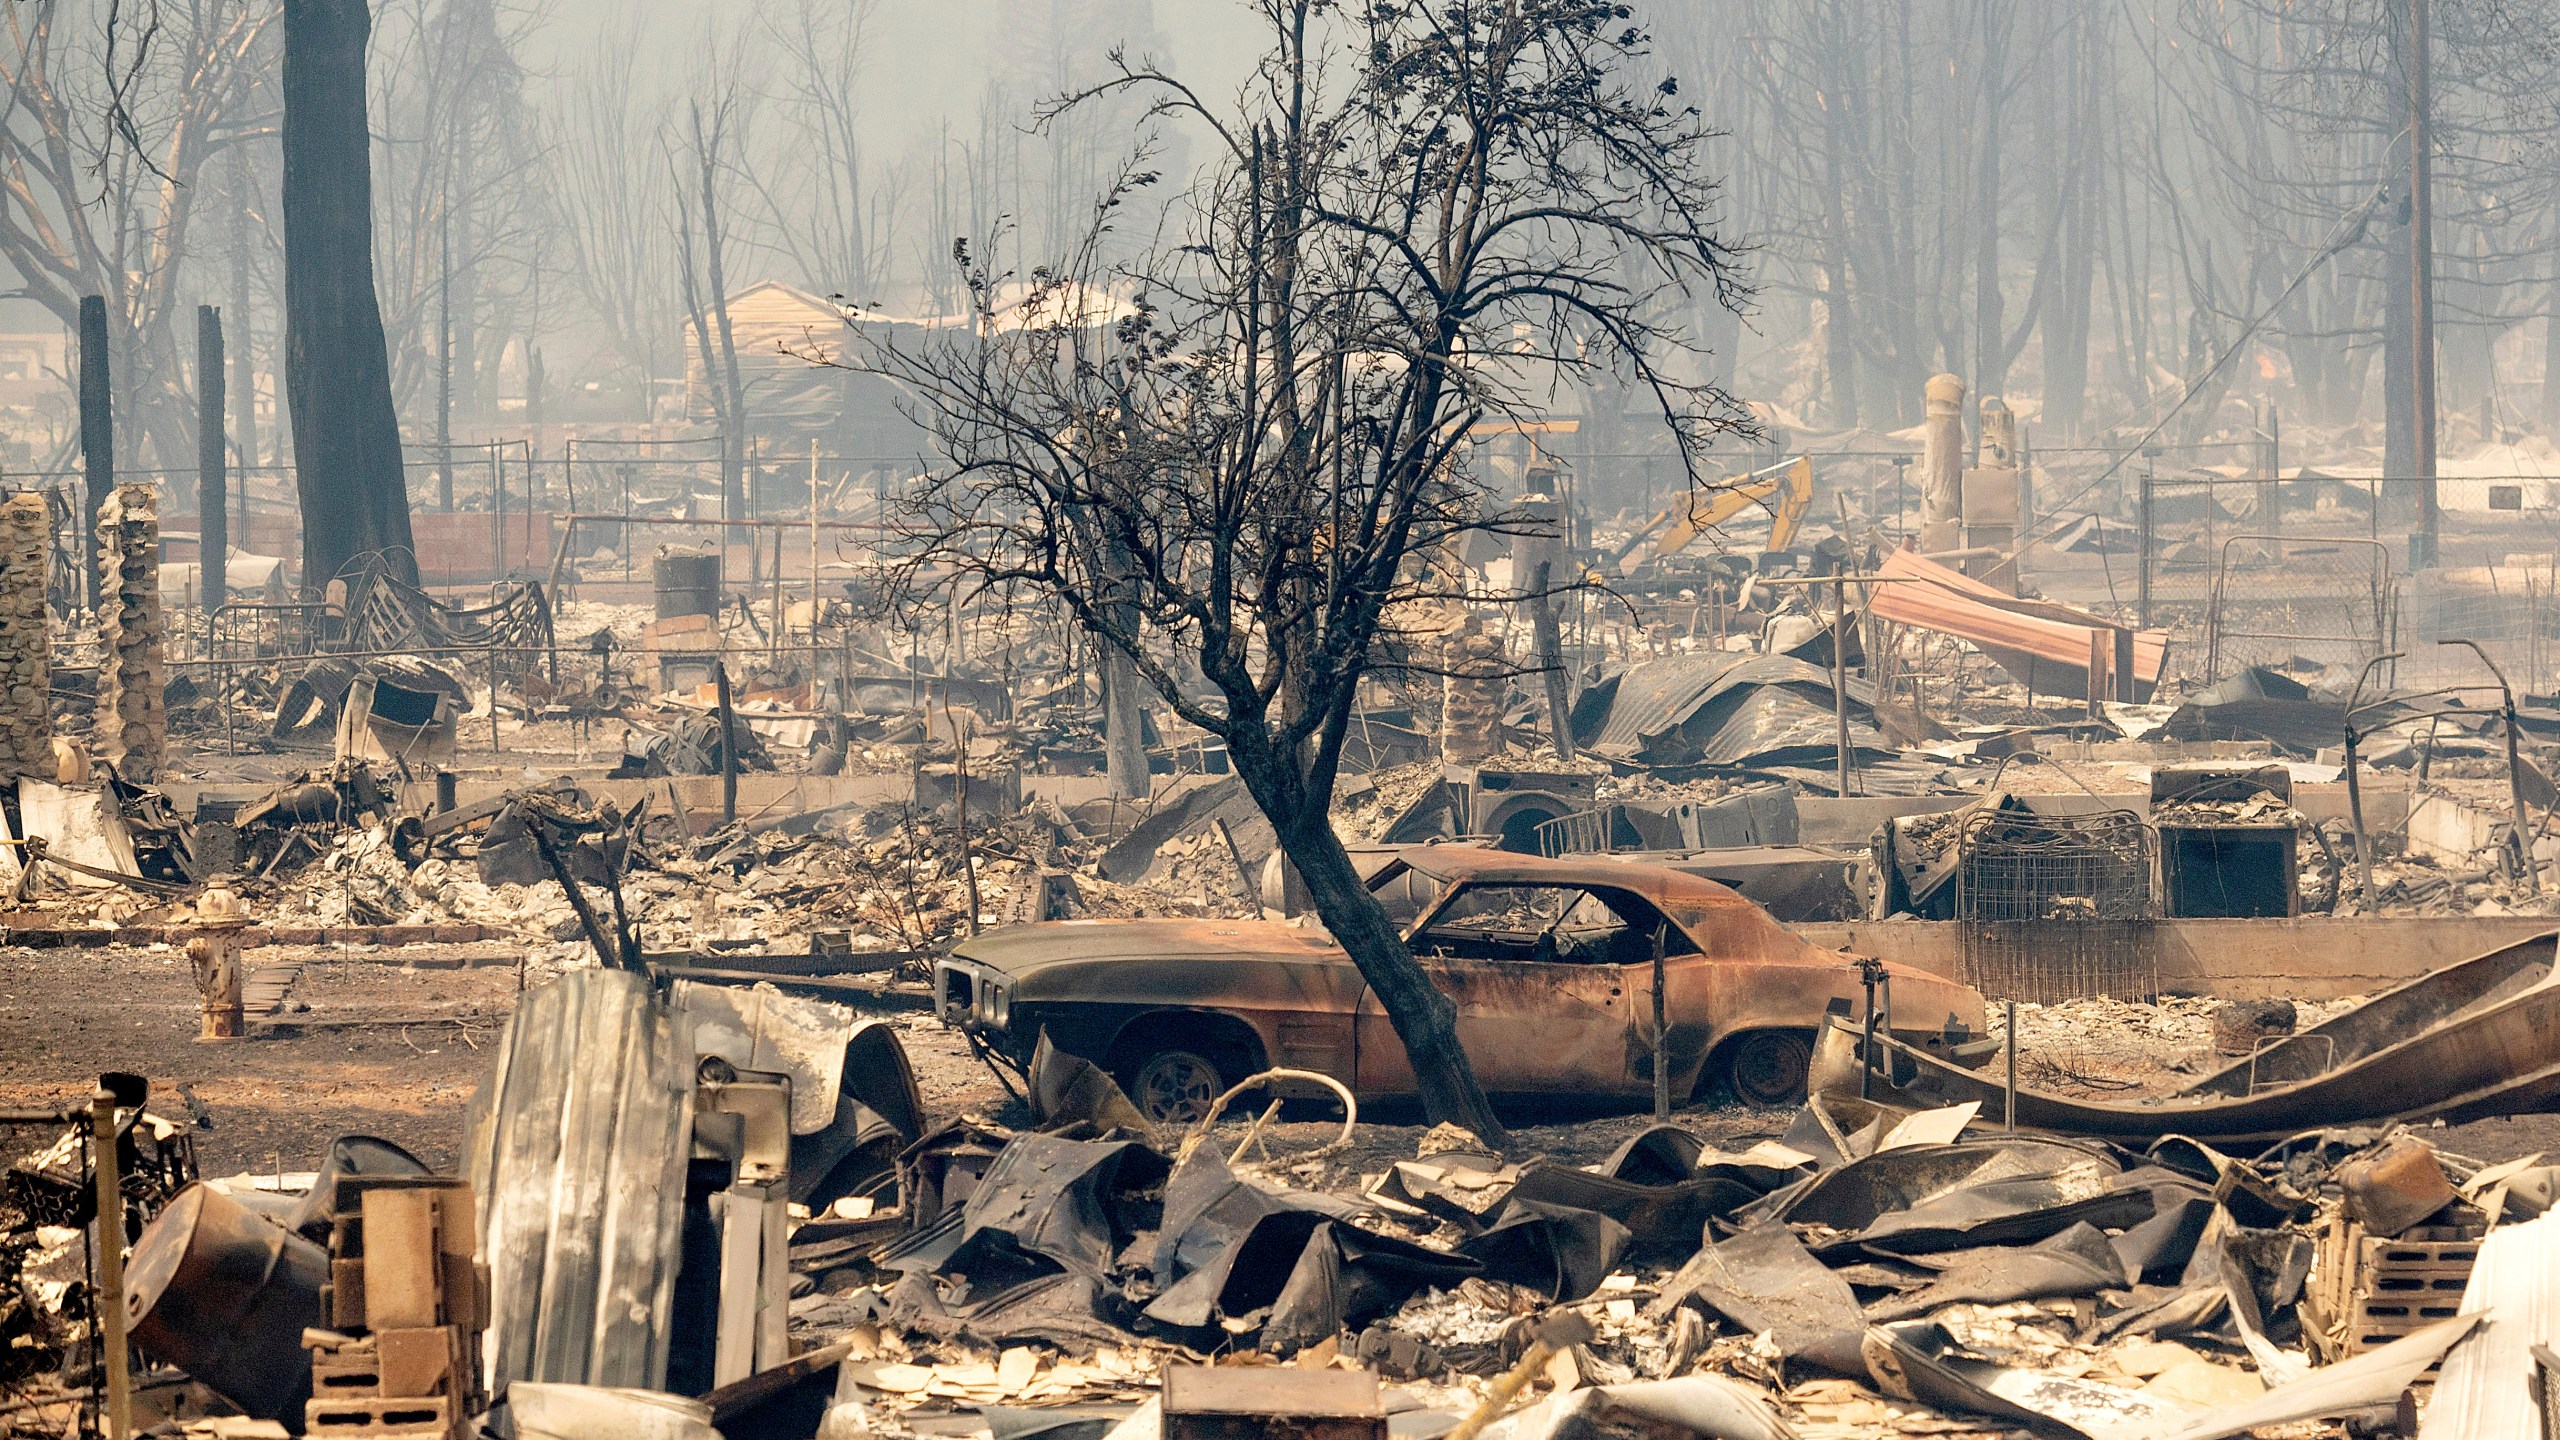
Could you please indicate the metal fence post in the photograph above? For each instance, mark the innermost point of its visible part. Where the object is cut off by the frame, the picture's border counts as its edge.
(2146, 543)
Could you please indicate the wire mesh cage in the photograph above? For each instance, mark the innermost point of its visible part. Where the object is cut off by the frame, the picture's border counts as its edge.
(2047, 903)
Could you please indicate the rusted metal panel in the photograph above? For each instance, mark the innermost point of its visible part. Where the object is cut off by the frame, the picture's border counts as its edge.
(2046, 646)
(2475, 1039)
(1525, 1026)
(578, 1142)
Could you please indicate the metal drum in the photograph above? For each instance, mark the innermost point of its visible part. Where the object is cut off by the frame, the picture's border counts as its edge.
(687, 582)
(225, 1296)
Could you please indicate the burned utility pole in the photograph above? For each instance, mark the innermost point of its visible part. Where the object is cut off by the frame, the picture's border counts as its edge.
(213, 516)
(97, 435)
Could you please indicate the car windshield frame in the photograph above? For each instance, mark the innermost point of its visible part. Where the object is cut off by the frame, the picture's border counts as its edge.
(1624, 906)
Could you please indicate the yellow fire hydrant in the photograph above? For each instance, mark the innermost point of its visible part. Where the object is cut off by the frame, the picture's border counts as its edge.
(221, 916)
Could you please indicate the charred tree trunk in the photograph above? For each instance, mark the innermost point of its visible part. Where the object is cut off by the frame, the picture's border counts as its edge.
(1990, 352)
(2066, 320)
(733, 429)
(346, 435)
(97, 437)
(2399, 374)
(1424, 1019)
(244, 360)
(213, 490)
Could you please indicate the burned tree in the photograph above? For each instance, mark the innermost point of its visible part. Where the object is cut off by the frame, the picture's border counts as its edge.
(1245, 447)
(704, 282)
(346, 436)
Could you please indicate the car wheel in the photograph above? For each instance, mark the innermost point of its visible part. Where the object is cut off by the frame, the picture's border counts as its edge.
(1175, 1087)
(1770, 1067)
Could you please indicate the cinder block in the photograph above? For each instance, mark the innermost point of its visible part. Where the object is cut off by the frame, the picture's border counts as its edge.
(422, 1362)
(461, 1292)
(401, 1279)
(400, 1416)
(351, 1370)
(346, 1295)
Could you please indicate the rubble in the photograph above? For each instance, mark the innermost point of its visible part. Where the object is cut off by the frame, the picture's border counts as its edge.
(713, 1194)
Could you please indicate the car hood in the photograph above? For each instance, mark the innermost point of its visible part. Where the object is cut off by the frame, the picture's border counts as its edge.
(1022, 950)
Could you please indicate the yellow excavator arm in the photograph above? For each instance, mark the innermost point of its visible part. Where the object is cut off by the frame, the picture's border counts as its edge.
(1679, 524)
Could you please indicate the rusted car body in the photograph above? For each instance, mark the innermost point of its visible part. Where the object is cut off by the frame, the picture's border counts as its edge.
(1549, 962)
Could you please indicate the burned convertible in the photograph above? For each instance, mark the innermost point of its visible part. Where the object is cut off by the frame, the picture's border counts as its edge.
(1550, 964)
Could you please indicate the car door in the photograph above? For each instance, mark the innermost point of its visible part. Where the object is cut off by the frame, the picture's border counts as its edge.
(1543, 992)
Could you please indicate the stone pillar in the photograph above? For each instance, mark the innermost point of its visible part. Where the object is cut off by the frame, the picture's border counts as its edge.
(1942, 466)
(1991, 498)
(133, 718)
(1471, 706)
(26, 722)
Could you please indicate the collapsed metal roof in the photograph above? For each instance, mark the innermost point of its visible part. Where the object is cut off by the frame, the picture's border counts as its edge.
(1722, 709)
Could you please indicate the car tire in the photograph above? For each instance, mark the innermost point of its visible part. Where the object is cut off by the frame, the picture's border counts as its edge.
(1769, 1067)
(1175, 1087)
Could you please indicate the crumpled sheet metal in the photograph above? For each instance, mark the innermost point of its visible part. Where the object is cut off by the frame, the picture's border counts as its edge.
(1921, 1198)
(1921, 1361)
(1215, 1225)
(2075, 1261)
(1068, 1089)
(1348, 1276)
(852, 1085)
(2482, 1393)
(760, 1028)
(1055, 1199)
(1074, 1312)
(1560, 1251)
(1049, 1239)
(2477, 1038)
(578, 1142)
(2256, 703)
(1706, 1406)
(2359, 1385)
(1764, 1280)
(2043, 645)
(1660, 1223)
(1660, 1189)
(1720, 708)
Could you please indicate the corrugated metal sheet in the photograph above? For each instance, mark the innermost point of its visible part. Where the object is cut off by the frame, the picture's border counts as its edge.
(2485, 1391)
(1725, 709)
(578, 1141)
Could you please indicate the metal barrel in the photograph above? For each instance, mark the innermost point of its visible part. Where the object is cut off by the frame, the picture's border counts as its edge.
(687, 582)
(225, 1296)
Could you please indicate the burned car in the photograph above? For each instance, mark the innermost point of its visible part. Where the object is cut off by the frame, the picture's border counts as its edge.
(1550, 963)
